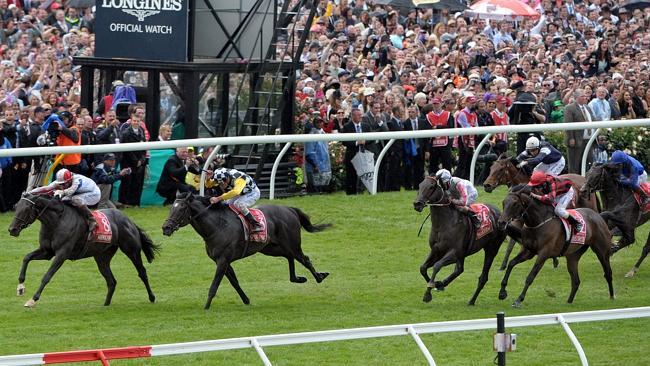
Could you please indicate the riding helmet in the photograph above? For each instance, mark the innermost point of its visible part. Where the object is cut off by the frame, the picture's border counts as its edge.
(443, 175)
(532, 143)
(221, 175)
(63, 176)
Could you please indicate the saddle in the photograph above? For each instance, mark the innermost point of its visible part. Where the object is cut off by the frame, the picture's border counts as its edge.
(573, 237)
(483, 213)
(260, 236)
(103, 232)
(645, 187)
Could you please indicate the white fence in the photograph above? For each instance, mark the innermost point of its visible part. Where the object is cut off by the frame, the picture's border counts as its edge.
(413, 330)
(288, 139)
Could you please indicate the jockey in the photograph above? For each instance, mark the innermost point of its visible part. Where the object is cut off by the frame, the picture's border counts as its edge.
(632, 174)
(544, 156)
(80, 190)
(554, 191)
(462, 193)
(240, 190)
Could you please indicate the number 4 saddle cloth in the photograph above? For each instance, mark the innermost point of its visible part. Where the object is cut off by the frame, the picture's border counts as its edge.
(646, 189)
(483, 213)
(259, 237)
(103, 232)
(572, 236)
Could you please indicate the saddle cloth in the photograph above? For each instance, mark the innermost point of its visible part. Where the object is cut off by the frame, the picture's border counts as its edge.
(646, 189)
(260, 237)
(571, 236)
(103, 232)
(483, 213)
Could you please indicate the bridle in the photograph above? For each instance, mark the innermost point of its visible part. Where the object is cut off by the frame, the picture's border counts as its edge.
(443, 196)
(25, 223)
(191, 218)
(525, 211)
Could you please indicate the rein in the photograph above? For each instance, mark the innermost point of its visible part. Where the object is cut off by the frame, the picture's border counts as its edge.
(38, 215)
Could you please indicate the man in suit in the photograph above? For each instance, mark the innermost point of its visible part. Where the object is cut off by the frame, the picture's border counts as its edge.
(394, 177)
(415, 149)
(352, 148)
(378, 123)
(578, 111)
(172, 178)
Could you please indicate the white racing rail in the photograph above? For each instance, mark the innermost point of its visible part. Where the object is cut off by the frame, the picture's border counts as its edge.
(272, 139)
(258, 342)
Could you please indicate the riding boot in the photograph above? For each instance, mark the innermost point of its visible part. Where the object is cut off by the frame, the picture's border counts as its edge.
(90, 219)
(255, 225)
(577, 225)
(645, 199)
(474, 218)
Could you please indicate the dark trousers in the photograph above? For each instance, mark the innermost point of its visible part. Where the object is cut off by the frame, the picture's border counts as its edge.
(413, 170)
(464, 161)
(439, 156)
(394, 179)
(351, 179)
(131, 187)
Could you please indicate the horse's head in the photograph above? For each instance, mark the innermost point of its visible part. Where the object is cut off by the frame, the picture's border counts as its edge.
(28, 209)
(429, 192)
(500, 173)
(180, 213)
(598, 178)
(514, 205)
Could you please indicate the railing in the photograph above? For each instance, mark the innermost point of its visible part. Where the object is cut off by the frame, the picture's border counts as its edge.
(272, 139)
(258, 342)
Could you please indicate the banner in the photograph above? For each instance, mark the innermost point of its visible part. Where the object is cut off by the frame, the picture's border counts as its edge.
(157, 160)
(141, 29)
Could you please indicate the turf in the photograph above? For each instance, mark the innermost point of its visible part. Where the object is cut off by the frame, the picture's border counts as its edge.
(373, 253)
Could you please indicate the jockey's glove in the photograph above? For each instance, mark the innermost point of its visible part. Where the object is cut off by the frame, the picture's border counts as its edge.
(522, 164)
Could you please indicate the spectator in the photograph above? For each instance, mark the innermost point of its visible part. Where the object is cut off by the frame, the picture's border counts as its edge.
(105, 174)
(130, 190)
(575, 140)
(317, 160)
(172, 178)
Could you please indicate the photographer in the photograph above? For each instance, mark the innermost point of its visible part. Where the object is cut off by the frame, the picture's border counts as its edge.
(172, 178)
(61, 131)
(105, 175)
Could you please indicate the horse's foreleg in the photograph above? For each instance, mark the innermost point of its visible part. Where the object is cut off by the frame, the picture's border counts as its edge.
(104, 266)
(644, 253)
(483, 278)
(136, 259)
(523, 256)
(447, 259)
(428, 263)
(38, 254)
(232, 277)
(56, 264)
(539, 263)
(572, 260)
(458, 270)
(511, 245)
(222, 267)
(292, 272)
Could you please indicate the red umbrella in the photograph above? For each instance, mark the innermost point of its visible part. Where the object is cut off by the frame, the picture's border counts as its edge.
(501, 10)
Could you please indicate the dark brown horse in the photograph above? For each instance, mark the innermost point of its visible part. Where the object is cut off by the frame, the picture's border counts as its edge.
(504, 171)
(452, 238)
(225, 241)
(543, 236)
(621, 209)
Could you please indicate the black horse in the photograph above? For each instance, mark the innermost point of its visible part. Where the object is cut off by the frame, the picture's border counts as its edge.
(621, 209)
(543, 235)
(452, 238)
(64, 236)
(225, 242)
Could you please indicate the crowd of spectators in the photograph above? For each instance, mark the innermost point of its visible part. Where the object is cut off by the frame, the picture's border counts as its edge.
(371, 67)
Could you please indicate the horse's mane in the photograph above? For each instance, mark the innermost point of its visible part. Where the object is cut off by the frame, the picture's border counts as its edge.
(55, 204)
(205, 201)
(520, 188)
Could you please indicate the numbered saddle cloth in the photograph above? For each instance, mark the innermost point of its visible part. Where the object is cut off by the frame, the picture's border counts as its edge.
(483, 213)
(103, 232)
(646, 189)
(571, 235)
(260, 236)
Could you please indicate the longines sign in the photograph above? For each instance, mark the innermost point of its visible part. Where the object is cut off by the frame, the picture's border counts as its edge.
(141, 29)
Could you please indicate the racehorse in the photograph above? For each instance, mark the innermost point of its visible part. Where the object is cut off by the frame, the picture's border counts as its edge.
(504, 171)
(452, 238)
(225, 239)
(64, 235)
(543, 235)
(621, 209)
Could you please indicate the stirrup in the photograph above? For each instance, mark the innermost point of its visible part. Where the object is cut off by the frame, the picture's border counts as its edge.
(256, 228)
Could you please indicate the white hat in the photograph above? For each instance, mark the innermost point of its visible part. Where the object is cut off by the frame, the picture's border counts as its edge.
(474, 76)
(617, 75)
(308, 90)
(328, 93)
(308, 80)
(410, 33)
(368, 91)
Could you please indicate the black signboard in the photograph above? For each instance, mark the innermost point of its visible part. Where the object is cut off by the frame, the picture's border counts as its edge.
(141, 29)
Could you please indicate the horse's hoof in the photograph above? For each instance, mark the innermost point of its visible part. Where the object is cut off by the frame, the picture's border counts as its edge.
(503, 294)
(631, 273)
(206, 307)
(516, 304)
(20, 290)
(107, 303)
(30, 303)
(427, 297)
(470, 303)
(556, 263)
(299, 279)
(152, 298)
(439, 286)
(246, 301)
(322, 276)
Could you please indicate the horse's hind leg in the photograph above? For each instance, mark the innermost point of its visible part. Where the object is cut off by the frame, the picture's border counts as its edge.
(603, 254)
(305, 261)
(136, 259)
(644, 253)
(56, 264)
(572, 266)
(490, 254)
(292, 272)
(279, 251)
(104, 265)
(38, 254)
(232, 277)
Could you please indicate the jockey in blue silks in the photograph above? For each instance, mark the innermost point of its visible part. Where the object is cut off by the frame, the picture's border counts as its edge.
(632, 173)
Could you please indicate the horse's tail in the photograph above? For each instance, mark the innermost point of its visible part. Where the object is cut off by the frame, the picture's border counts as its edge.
(306, 223)
(148, 247)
